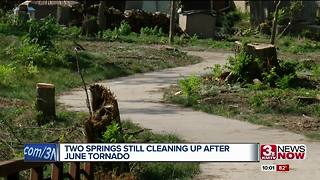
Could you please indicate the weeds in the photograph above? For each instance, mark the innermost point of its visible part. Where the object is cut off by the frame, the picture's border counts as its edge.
(43, 32)
(217, 70)
(6, 74)
(149, 31)
(112, 134)
(190, 86)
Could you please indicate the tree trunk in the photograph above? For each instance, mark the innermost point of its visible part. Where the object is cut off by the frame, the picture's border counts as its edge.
(105, 111)
(101, 15)
(172, 21)
(275, 23)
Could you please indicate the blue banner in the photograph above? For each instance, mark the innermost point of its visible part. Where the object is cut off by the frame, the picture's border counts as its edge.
(41, 152)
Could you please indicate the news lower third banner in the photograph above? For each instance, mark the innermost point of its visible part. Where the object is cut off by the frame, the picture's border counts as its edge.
(143, 152)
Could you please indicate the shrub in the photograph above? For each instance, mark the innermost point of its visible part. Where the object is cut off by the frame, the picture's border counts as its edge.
(244, 67)
(124, 29)
(256, 101)
(108, 35)
(149, 31)
(113, 133)
(27, 53)
(6, 73)
(73, 32)
(31, 69)
(12, 24)
(111, 35)
(216, 70)
(288, 67)
(286, 81)
(34, 54)
(270, 77)
(42, 32)
(316, 71)
(190, 86)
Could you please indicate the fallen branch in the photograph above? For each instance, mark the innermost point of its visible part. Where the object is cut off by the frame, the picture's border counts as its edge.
(78, 48)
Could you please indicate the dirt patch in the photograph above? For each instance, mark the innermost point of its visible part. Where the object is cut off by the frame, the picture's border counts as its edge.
(4, 102)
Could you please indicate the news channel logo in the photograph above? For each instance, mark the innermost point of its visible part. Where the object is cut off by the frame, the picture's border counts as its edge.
(41, 152)
(283, 152)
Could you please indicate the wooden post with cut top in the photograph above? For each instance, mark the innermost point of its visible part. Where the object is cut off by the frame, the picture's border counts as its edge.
(45, 102)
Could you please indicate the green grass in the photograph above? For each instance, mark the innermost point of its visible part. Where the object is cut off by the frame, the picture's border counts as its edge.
(109, 61)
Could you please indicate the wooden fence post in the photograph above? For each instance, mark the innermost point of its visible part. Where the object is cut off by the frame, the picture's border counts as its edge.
(45, 102)
(57, 171)
(74, 170)
(88, 169)
(36, 173)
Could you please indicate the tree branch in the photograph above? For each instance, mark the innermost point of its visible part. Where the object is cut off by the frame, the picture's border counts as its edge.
(83, 83)
(274, 23)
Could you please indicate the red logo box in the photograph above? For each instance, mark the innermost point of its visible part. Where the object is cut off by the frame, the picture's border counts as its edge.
(282, 167)
(268, 152)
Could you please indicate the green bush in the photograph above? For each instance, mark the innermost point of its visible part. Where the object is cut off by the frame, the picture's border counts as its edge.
(316, 71)
(256, 101)
(108, 35)
(124, 29)
(43, 32)
(216, 70)
(31, 69)
(244, 67)
(286, 81)
(111, 35)
(12, 24)
(112, 134)
(190, 86)
(27, 53)
(35, 54)
(149, 31)
(288, 67)
(271, 77)
(6, 73)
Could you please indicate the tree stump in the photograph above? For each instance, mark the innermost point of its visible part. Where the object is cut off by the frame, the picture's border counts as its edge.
(105, 111)
(45, 102)
(267, 53)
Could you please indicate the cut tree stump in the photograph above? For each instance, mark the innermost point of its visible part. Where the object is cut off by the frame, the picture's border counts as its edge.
(265, 52)
(45, 102)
